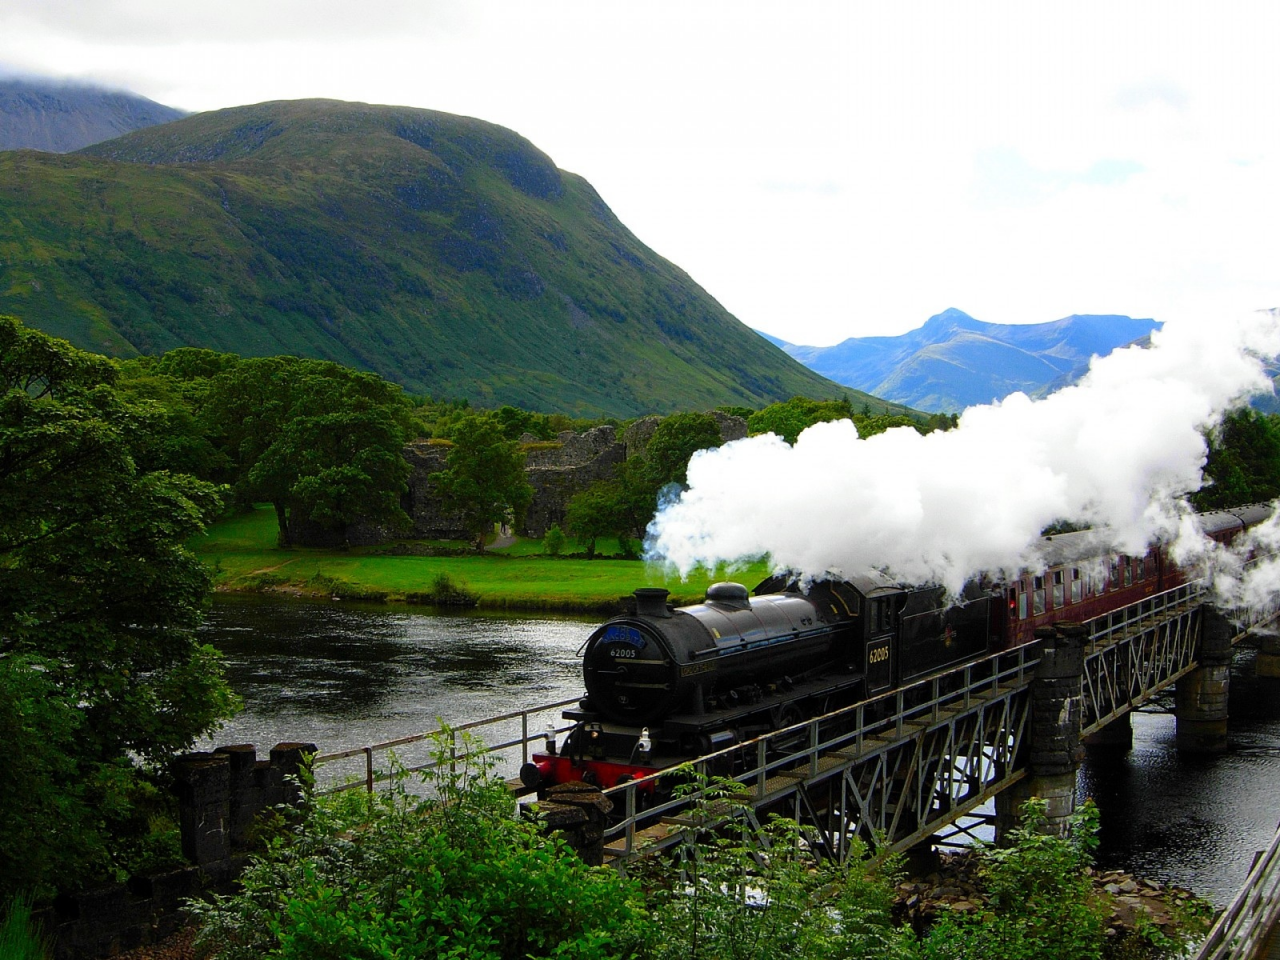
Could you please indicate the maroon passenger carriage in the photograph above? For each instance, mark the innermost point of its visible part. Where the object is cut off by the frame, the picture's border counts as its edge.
(664, 685)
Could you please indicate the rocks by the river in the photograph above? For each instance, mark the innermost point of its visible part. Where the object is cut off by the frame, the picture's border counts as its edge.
(956, 885)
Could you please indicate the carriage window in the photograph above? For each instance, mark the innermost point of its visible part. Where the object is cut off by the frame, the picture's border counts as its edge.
(1022, 602)
(1128, 572)
(1037, 596)
(1141, 564)
(1057, 589)
(1077, 585)
(1115, 575)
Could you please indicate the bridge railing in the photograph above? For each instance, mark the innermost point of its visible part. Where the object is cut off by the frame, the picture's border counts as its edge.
(1241, 930)
(1123, 622)
(855, 733)
(506, 737)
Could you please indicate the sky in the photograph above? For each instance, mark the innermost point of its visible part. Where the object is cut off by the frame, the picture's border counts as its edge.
(823, 169)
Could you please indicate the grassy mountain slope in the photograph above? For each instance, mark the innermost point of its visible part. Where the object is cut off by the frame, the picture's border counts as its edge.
(442, 252)
(954, 361)
(56, 116)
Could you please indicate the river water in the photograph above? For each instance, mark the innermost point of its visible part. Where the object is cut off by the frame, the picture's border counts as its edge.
(345, 675)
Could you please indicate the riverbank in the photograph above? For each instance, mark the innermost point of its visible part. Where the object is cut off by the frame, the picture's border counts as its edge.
(243, 554)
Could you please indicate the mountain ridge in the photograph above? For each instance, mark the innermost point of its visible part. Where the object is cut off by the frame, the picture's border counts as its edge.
(953, 360)
(61, 116)
(444, 253)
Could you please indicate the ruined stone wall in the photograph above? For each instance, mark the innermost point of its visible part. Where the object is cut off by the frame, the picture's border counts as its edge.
(556, 475)
(557, 471)
(430, 520)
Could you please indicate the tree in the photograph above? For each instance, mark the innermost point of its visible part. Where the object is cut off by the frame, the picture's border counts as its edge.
(623, 506)
(1244, 461)
(597, 512)
(321, 442)
(99, 601)
(483, 480)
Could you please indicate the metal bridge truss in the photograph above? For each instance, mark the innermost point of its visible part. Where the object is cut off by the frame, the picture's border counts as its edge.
(891, 770)
(918, 762)
(1133, 653)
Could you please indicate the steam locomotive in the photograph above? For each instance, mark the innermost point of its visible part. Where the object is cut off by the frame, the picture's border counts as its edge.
(666, 684)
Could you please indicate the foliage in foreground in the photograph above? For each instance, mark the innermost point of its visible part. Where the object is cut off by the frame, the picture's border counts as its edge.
(19, 937)
(395, 875)
(735, 894)
(458, 875)
(1041, 901)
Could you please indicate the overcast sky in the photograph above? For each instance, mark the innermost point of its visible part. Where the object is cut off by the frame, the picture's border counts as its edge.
(824, 169)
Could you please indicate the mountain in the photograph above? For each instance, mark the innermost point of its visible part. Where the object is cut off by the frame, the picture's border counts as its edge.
(58, 117)
(442, 252)
(955, 361)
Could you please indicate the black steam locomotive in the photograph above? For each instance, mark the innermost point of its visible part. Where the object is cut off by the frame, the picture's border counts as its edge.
(667, 684)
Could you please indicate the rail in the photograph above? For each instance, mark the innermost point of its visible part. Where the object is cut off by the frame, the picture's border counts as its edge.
(826, 745)
(532, 728)
(1242, 929)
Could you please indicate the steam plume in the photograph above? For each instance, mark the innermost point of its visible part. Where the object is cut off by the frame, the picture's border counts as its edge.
(1117, 451)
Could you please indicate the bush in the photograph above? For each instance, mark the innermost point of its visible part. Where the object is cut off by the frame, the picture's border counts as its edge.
(444, 591)
(553, 542)
(1042, 902)
(395, 875)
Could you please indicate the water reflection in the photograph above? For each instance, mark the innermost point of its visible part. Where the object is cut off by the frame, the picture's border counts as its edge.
(1194, 821)
(344, 675)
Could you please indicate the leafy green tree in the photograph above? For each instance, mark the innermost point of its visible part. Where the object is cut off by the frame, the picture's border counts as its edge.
(790, 418)
(596, 513)
(675, 440)
(1244, 461)
(321, 442)
(483, 480)
(99, 601)
(623, 506)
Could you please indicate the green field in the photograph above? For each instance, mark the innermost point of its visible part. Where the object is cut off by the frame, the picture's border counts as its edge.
(243, 554)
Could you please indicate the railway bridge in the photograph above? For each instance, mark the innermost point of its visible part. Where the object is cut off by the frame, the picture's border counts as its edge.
(914, 765)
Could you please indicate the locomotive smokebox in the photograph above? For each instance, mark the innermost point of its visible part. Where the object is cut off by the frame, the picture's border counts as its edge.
(652, 602)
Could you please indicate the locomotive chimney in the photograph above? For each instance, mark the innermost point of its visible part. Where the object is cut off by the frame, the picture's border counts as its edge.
(652, 602)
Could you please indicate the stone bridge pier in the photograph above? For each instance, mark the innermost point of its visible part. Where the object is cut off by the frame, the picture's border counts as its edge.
(1055, 747)
(1202, 693)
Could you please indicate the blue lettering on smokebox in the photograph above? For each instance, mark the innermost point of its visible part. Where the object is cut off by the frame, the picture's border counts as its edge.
(627, 635)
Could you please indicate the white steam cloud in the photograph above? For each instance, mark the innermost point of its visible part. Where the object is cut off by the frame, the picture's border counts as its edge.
(1118, 451)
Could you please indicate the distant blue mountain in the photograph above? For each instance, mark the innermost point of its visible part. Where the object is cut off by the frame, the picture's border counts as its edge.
(955, 361)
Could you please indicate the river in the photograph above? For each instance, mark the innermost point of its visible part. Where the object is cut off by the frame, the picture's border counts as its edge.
(345, 675)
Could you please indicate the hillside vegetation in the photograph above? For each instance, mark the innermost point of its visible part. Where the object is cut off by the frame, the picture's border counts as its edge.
(444, 253)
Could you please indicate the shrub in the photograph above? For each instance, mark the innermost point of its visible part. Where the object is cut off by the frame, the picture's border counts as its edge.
(736, 895)
(553, 542)
(1042, 901)
(444, 591)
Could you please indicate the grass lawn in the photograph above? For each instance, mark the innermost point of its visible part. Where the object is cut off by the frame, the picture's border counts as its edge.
(243, 553)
